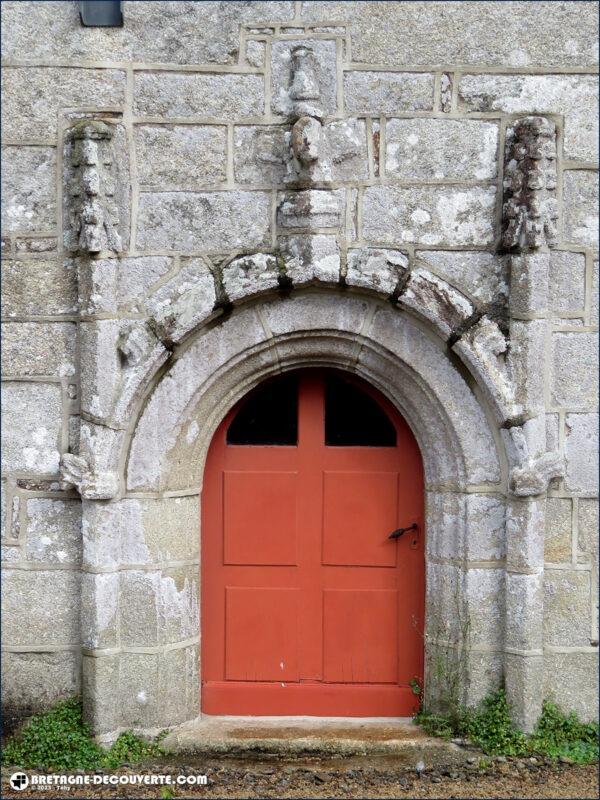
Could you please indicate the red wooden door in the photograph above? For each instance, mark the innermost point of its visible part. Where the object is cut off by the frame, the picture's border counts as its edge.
(308, 608)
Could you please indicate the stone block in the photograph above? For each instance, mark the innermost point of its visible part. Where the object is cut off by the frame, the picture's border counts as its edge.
(529, 278)
(31, 433)
(435, 300)
(484, 594)
(35, 246)
(100, 686)
(40, 607)
(481, 276)
(527, 352)
(101, 370)
(260, 154)
(250, 275)
(580, 202)
(176, 95)
(179, 606)
(310, 259)
(33, 682)
(574, 381)
(571, 681)
(525, 534)
(317, 312)
(255, 53)
(53, 530)
(39, 348)
(486, 528)
(100, 610)
(345, 155)
(485, 673)
(33, 98)
(375, 93)
(180, 156)
(429, 215)
(184, 301)
(524, 680)
(567, 608)
(141, 704)
(169, 34)
(575, 96)
(441, 149)
(581, 451)
(193, 221)
(445, 524)
(28, 189)
(558, 545)
(38, 286)
(106, 285)
(587, 531)
(136, 532)
(311, 209)
(173, 684)
(594, 297)
(447, 616)
(376, 268)
(325, 67)
(524, 611)
(566, 288)
(138, 602)
(419, 34)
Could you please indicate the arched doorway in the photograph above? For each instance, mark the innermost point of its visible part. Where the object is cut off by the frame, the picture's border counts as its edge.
(308, 607)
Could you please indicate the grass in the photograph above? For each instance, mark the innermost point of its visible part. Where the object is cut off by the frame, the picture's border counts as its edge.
(556, 735)
(59, 739)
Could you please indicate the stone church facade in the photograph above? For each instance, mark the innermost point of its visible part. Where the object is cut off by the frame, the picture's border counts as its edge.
(216, 193)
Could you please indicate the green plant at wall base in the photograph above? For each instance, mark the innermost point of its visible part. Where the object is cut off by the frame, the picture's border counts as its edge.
(60, 739)
(489, 727)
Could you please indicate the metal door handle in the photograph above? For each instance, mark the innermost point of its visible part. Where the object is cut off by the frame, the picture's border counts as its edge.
(399, 531)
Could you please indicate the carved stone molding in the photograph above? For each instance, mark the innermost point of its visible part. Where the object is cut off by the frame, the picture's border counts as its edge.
(75, 471)
(533, 477)
(530, 208)
(93, 216)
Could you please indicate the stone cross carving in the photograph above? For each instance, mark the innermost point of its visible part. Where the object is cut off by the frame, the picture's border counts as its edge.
(92, 212)
(530, 208)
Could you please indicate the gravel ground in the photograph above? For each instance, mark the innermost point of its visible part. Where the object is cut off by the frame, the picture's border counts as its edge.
(364, 778)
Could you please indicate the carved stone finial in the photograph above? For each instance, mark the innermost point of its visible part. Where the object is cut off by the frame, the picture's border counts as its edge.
(92, 211)
(75, 471)
(304, 90)
(530, 208)
(533, 477)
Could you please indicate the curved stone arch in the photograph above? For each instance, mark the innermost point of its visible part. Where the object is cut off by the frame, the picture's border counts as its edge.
(144, 546)
(316, 328)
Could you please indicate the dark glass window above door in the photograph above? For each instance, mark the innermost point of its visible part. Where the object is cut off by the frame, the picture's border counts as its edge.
(269, 416)
(353, 418)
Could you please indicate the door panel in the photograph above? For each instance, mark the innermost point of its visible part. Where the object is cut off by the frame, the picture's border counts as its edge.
(262, 634)
(259, 513)
(360, 635)
(307, 606)
(360, 510)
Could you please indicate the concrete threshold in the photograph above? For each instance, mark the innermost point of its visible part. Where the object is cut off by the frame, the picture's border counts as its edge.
(284, 737)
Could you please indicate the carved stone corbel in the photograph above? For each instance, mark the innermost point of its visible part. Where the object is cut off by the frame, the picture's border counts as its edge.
(534, 476)
(75, 471)
(92, 213)
(530, 208)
